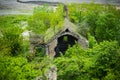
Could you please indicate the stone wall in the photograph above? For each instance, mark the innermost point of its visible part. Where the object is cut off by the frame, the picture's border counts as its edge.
(51, 48)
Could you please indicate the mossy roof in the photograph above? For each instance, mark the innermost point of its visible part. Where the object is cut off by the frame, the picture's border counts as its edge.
(52, 32)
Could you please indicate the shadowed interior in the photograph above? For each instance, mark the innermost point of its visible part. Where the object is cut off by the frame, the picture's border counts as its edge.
(64, 42)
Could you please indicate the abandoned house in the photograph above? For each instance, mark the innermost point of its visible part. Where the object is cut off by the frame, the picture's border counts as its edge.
(59, 42)
(56, 41)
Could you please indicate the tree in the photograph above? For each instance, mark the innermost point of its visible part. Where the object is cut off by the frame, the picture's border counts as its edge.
(99, 62)
(11, 38)
(45, 18)
(17, 68)
(107, 27)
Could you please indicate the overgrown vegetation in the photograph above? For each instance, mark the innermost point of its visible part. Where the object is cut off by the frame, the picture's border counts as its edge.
(46, 20)
(100, 24)
(97, 63)
(17, 68)
(101, 21)
(13, 65)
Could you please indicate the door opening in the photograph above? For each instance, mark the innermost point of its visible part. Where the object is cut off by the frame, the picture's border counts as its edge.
(64, 42)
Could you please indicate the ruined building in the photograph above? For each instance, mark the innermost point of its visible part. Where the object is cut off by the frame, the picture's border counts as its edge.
(60, 41)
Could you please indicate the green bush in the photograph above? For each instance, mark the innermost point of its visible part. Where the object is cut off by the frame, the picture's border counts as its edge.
(105, 57)
(17, 68)
(102, 20)
(96, 63)
(45, 18)
(107, 27)
(10, 34)
(92, 41)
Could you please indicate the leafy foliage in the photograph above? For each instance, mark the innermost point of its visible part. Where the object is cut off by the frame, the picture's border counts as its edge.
(92, 41)
(17, 68)
(44, 18)
(10, 36)
(107, 27)
(99, 23)
(102, 20)
(96, 63)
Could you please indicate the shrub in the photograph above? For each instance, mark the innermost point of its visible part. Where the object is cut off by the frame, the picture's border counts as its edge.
(17, 68)
(98, 62)
(10, 36)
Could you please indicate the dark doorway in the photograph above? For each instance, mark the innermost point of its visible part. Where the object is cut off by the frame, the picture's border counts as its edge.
(64, 42)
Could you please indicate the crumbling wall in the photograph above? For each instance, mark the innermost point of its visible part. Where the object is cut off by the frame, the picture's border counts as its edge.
(83, 42)
(51, 48)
